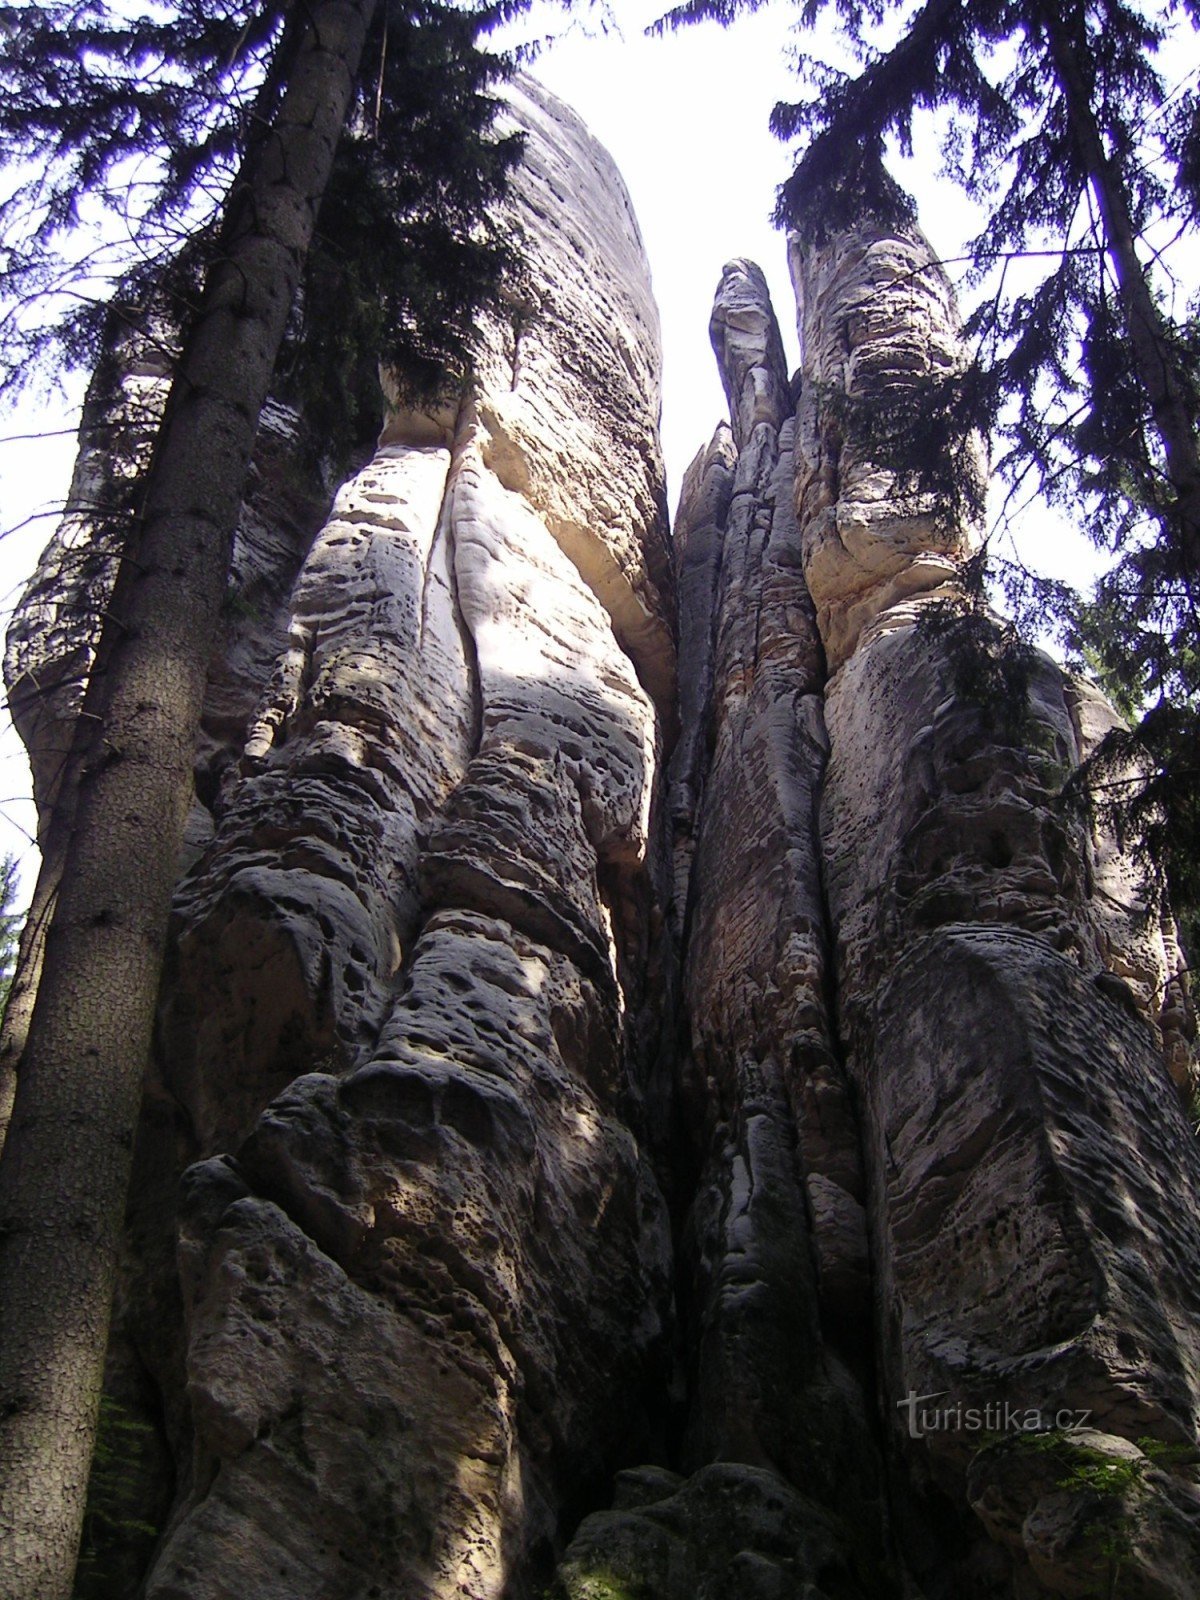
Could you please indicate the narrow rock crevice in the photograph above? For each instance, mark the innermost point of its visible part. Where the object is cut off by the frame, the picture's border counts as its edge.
(470, 654)
(562, 1173)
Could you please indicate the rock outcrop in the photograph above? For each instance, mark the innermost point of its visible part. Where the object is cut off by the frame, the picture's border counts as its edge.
(1028, 1168)
(424, 909)
(647, 1105)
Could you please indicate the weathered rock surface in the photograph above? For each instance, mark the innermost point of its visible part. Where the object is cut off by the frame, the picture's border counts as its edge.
(421, 884)
(645, 1142)
(877, 321)
(730, 1532)
(1130, 1531)
(572, 379)
(1029, 1167)
(776, 1435)
(925, 1008)
(780, 1188)
(458, 587)
(297, 912)
(52, 638)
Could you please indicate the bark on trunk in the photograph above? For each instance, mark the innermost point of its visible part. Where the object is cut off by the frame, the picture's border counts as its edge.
(67, 1157)
(14, 1030)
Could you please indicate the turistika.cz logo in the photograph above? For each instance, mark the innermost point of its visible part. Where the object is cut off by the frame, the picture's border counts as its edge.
(996, 1416)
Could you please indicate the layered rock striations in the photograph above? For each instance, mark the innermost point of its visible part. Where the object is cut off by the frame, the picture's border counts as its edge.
(421, 908)
(782, 1485)
(937, 1277)
(611, 1139)
(1030, 1172)
(877, 325)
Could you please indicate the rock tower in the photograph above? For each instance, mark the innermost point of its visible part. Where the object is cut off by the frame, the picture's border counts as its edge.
(653, 1097)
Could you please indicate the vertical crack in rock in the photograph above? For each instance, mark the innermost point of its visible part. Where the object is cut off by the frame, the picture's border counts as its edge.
(699, 548)
(757, 959)
(418, 1320)
(415, 1283)
(1031, 1176)
(449, 550)
(773, 1289)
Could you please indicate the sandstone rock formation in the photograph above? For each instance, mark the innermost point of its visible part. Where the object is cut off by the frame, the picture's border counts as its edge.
(424, 908)
(608, 1139)
(1029, 1175)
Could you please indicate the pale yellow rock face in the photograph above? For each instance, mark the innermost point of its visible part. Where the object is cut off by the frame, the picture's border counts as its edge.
(552, 679)
(876, 316)
(403, 1033)
(571, 379)
(586, 1111)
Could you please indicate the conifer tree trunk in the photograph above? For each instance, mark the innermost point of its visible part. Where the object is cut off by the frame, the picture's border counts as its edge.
(66, 1161)
(1149, 336)
(14, 1029)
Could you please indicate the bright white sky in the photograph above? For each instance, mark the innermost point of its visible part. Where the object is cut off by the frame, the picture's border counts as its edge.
(685, 118)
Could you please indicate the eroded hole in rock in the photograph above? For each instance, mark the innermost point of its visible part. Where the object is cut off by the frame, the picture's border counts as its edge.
(637, 1041)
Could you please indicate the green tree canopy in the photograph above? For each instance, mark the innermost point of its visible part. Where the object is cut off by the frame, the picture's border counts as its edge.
(123, 128)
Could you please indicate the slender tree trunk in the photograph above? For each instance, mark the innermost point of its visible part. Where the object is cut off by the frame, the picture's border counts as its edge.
(123, 428)
(1149, 335)
(66, 1162)
(54, 844)
(17, 1014)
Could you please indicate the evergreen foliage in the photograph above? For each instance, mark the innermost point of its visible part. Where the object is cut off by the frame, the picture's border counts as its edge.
(221, 147)
(1058, 121)
(408, 246)
(123, 128)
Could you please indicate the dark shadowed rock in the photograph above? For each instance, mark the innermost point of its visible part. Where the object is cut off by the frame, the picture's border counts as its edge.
(655, 1099)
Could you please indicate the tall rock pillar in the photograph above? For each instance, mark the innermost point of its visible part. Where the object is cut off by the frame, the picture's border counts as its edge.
(422, 1299)
(1032, 1181)
(779, 1489)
